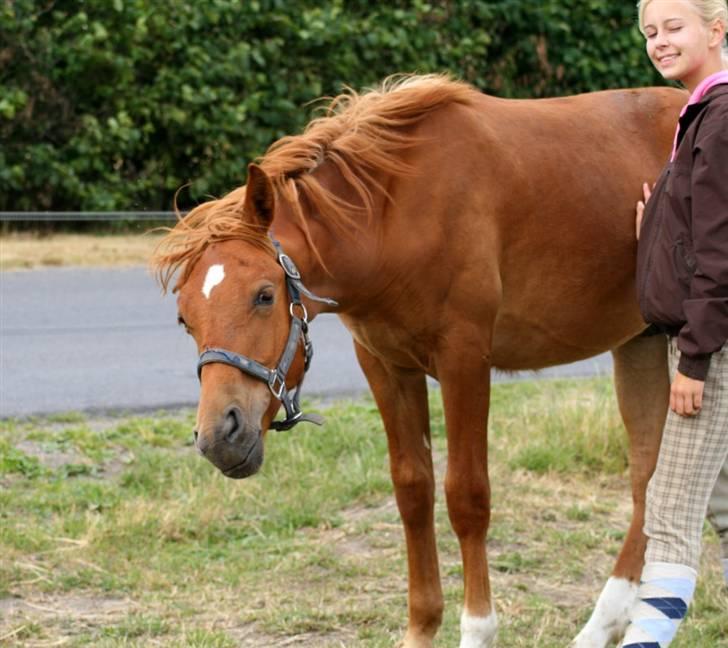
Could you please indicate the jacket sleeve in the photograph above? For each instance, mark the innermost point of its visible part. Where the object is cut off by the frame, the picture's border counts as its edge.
(706, 310)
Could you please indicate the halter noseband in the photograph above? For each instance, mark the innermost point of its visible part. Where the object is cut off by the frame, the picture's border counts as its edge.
(276, 378)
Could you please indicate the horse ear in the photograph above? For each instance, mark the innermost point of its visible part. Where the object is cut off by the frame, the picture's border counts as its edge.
(259, 200)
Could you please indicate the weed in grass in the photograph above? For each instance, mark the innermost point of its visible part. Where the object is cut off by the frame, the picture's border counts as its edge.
(205, 639)
(135, 626)
(20, 634)
(75, 470)
(14, 461)
(513, 562)
(578, 514)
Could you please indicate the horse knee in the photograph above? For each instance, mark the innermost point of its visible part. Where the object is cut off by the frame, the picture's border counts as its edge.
(414, 488)
(468, 504)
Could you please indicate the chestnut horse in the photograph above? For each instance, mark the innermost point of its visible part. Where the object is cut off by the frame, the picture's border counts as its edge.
(453, 232)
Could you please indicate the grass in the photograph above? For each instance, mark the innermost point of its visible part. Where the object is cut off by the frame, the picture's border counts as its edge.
(27, 251)
(113, 532)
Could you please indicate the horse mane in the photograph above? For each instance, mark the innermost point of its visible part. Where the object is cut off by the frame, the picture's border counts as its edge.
(360, 134)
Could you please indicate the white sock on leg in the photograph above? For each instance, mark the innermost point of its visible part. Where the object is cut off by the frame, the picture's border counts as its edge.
(663, 598)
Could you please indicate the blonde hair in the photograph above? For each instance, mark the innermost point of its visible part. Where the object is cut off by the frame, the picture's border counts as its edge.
(709, 11)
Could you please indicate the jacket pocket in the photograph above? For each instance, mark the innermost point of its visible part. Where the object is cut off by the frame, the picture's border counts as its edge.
(684, 260)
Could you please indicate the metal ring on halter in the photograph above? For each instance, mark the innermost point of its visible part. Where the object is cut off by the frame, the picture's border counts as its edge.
(292, 305)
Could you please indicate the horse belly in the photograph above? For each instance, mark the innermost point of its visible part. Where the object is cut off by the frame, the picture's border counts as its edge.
(539, 341)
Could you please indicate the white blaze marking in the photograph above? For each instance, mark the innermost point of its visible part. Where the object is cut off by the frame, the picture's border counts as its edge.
(215, 275)
(610, 617)
(477, 632)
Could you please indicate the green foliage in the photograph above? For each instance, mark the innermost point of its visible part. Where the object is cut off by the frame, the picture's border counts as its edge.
(116, 105)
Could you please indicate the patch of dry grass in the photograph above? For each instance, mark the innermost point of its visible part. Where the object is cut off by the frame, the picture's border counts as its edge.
(28, 251)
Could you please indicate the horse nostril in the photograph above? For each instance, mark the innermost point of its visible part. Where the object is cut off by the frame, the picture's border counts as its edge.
(200, 442)
(233, 424)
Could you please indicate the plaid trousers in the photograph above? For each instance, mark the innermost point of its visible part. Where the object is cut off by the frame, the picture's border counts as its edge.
(692, 454)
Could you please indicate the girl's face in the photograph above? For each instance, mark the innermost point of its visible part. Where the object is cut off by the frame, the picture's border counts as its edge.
(680, 45)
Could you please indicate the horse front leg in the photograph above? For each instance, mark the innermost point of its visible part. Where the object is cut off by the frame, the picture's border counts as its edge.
(401, 396)
(643, 387)
(465, 381)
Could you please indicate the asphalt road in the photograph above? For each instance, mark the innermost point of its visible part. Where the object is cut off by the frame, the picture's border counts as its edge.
(106, 340)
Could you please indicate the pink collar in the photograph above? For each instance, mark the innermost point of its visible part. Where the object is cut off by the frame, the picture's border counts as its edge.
(703, 87)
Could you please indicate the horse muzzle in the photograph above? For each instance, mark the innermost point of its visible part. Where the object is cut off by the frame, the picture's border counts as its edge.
(233, 445)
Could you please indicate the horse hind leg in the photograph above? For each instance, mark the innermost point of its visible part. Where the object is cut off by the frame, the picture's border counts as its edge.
(642, 385)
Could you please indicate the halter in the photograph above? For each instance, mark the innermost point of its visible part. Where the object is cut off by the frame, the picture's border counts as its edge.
(276, 378)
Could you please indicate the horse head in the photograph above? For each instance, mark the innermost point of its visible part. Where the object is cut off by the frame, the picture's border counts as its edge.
(235, 301)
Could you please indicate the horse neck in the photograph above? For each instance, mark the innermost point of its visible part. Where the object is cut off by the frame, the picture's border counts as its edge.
(335, 261)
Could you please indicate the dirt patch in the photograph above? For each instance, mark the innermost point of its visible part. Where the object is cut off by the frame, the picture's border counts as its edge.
(61, 618)
(65, 617)
(70, 606)
(386, 509)
(52, 458)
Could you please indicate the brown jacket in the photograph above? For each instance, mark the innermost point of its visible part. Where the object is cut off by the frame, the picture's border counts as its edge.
(682, 258)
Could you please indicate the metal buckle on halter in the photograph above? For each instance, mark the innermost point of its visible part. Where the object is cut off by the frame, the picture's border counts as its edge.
(272, 385)
(304, 312)
(288, 266)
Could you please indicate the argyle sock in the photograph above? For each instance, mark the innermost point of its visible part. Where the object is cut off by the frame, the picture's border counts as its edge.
(662, 602)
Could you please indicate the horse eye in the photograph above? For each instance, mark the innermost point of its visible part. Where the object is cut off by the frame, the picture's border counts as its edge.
(264, 298)
(181, 322)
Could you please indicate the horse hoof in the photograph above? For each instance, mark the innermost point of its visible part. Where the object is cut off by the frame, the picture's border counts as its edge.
(596, 640)
(610, 617)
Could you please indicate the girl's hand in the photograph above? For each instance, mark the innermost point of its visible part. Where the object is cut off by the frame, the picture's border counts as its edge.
(641, 208)
(686, 395)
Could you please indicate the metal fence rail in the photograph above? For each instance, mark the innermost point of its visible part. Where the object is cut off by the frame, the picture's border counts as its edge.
(71, 216)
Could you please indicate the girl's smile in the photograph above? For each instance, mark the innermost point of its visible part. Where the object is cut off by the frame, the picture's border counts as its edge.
(679, 44)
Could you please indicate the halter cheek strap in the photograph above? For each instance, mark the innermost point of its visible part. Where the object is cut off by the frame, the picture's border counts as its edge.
(276, 378)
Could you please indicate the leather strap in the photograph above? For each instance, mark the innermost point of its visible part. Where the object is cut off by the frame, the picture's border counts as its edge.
(276, 378)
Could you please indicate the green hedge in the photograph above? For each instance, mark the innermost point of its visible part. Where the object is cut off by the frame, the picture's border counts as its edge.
(114, 104)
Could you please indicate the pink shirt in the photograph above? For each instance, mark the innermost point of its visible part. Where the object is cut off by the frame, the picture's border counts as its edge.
(706, 84)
